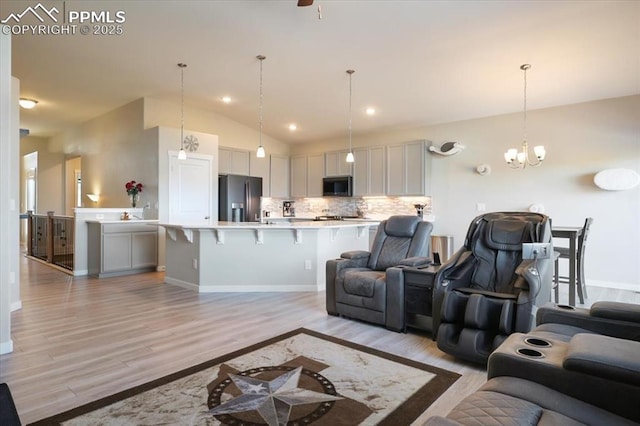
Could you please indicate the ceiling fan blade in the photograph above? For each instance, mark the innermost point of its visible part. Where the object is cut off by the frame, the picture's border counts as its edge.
(305, 2)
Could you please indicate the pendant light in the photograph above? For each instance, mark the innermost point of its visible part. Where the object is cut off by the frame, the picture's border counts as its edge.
(182, 155)
(350, 158)
(520, 160)
(260, 152)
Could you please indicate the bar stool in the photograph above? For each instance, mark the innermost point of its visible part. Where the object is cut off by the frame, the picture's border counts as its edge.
(564, 253)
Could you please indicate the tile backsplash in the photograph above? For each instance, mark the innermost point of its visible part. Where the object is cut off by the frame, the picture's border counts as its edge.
(368, 207)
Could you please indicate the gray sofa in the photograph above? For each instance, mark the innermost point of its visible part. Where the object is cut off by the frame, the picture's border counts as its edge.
(513, 401)
(369, 286)
(578, 366)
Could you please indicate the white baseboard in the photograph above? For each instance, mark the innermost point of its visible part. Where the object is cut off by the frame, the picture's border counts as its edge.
(240, 288)
(612, 284)
(16, 306)
(6, 347)
(255, 288)
(80, 272)
(180, 283)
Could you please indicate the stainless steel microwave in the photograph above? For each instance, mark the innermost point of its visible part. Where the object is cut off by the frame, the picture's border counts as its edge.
(337, 186)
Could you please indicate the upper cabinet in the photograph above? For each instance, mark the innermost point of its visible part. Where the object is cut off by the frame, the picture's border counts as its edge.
(279, 170)
(335, 164)
(369, 171)
(299, 176)
(315, 173)
(306, 175)
(406, 169)
(260, 167)
(233, 161)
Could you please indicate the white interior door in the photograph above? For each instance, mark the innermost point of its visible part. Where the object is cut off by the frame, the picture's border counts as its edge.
(191, 190)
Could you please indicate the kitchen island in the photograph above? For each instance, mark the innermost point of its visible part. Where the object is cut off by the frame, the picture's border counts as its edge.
(253, 257)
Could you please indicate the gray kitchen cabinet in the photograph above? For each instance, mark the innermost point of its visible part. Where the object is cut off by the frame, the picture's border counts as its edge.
(306, 175)
(279, 176)
(259, 167)
(121, 248)
(299, 176)
(335, 164)
(406, 169)
(233, 161)
(315, 173)
(369, 169)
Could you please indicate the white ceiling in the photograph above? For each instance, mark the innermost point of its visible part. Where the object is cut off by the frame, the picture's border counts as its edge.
(416, 62)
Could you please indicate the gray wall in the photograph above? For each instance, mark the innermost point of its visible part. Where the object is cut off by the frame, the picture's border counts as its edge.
(113, 151)
(50, 178)
(230, 133)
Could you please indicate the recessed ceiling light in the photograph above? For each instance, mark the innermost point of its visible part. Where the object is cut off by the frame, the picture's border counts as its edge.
(292, 126)
(370, 111)
(27, 103)
(226, 99)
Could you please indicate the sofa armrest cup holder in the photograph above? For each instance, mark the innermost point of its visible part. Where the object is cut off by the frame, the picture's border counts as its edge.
(567, 307)
(538, 342)
(530, 353)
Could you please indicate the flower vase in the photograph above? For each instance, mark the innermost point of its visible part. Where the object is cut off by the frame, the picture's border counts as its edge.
(133, 199)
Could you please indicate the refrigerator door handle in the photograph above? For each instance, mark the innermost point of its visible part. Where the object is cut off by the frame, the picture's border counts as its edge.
(247, 199)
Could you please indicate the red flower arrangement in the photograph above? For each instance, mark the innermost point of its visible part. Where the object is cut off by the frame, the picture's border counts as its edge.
(133, 188)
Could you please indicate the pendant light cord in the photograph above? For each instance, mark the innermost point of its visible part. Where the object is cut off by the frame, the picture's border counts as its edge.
(261, 59)
(182, 67)
(525, 68)
(182, 108)
(350, 72)
(350, 111)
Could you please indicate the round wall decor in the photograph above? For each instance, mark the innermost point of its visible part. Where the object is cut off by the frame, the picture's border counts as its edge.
(617, 179)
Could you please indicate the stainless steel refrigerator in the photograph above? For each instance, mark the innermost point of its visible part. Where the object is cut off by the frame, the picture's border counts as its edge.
(239, 198)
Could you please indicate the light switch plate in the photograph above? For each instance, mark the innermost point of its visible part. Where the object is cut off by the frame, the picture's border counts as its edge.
(536, 250)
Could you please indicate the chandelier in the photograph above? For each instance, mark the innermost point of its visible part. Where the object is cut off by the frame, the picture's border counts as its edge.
(350, 158)
(520, 160)
(182, 155)
(260, 152)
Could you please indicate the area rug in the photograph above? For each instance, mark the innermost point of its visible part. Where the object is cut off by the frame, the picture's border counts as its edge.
(297, 378)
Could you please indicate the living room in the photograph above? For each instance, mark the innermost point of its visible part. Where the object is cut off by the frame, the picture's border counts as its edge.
(582, 136)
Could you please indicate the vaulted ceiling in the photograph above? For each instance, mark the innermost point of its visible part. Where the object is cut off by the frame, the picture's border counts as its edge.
(417, 62)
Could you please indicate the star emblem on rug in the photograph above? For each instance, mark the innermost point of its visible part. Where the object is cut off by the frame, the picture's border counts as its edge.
(272, 399)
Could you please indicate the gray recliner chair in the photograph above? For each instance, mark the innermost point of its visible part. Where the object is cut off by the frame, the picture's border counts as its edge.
(590, 354)
(369, 286)
(487, 291)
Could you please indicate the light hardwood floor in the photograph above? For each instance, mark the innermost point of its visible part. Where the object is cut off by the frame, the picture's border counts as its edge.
(80, 339)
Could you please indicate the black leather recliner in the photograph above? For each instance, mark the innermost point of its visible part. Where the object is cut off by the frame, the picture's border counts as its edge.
(486, 291)
(369, 286)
